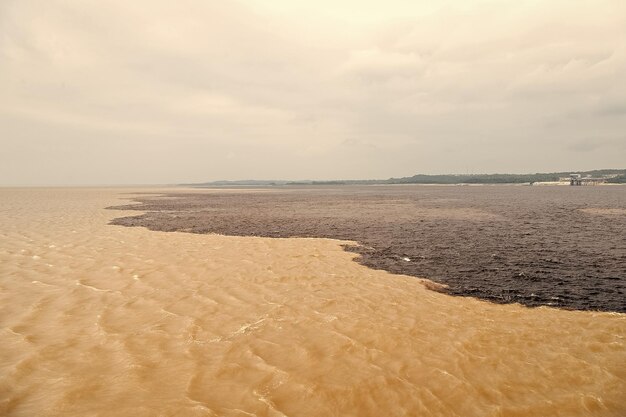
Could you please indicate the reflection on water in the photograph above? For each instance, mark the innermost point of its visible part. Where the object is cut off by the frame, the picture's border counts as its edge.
(107, 320)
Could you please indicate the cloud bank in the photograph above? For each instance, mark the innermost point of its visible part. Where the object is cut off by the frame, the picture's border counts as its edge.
(122, 92)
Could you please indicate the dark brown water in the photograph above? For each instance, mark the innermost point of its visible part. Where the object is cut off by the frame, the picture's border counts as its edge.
(558, 246)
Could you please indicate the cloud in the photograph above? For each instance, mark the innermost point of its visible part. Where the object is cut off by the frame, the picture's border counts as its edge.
(592, 144)
(377, 65)
(285, 93)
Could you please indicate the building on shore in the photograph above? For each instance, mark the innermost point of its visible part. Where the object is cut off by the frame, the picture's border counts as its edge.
(578, 179)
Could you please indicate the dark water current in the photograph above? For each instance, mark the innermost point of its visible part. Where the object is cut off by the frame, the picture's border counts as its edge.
(559, 246)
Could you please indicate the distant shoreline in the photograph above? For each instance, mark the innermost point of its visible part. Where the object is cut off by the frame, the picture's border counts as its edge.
(601, 176)
(311, 185)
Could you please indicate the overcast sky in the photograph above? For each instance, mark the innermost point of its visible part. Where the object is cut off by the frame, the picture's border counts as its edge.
(151, 91)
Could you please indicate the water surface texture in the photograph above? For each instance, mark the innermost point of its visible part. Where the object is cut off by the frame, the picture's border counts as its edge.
(103, 320)
(557, 246)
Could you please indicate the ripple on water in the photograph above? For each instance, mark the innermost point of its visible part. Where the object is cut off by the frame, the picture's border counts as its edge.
(203, 333)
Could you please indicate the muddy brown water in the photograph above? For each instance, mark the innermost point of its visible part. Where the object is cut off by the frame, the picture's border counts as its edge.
(558, 246)
(104, 320)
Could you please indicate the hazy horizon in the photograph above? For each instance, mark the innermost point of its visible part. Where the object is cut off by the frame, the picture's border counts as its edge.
(154, 92)
(243, 179)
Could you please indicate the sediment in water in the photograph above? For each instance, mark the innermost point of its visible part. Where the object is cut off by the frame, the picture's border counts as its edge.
(557, 246)
(98, 319)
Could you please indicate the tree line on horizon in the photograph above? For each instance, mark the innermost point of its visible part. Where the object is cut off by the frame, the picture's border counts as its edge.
(506, 178)
(619, 177)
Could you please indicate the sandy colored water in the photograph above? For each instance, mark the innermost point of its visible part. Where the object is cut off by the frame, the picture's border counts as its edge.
(102, 320)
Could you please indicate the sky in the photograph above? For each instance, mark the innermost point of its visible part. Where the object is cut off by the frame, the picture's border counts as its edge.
(159, 92)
